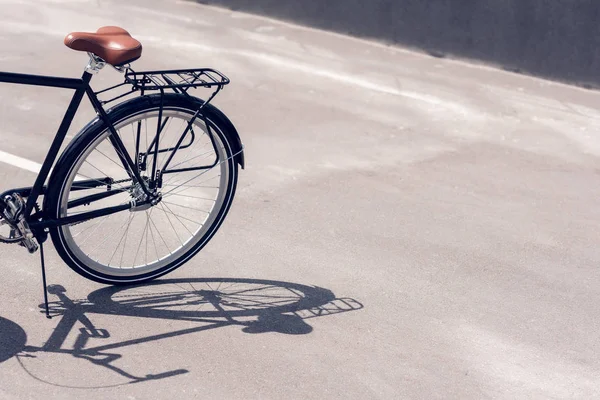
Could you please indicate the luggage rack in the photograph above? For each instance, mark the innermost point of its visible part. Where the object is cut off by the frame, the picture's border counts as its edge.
(179, 81)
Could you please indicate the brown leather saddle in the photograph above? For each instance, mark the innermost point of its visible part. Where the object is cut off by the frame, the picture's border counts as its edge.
(111, 43)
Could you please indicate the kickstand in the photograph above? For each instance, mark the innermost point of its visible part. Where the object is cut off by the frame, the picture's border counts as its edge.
(44, 280)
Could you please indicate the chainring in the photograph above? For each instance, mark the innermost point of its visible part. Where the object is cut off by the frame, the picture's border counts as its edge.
(12, 238)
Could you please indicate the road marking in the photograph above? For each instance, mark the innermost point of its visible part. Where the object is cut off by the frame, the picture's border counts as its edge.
(26, 164)
(20, 162)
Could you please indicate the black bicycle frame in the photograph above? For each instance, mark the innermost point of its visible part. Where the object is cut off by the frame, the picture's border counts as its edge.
(81, 87)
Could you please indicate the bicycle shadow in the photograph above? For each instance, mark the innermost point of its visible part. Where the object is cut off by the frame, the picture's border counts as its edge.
(256, 306)
(12, 339)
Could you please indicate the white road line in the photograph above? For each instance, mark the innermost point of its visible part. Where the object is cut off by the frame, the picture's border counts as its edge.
(26, 164)
(20, 162)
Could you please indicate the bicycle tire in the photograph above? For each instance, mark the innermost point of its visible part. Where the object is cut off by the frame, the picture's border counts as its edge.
(75, 155)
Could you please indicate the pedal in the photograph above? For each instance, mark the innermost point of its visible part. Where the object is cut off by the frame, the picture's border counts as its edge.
(30, 245)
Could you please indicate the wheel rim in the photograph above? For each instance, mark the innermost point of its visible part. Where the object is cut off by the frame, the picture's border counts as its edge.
(128, 244)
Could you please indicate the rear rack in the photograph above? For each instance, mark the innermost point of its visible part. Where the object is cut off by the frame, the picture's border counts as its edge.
(178, 80)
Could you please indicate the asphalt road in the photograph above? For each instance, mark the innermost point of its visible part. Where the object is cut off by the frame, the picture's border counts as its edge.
(406, 226)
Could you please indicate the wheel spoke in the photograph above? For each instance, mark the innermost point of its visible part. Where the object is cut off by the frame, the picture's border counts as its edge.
(184, 189)
(192, 158)
(105, 239)
(171, 223)
(111, 160)
(153, 239)
(161, 236)
(178, 219)
(141, 239)
(188, 207)
(187, 219)
(97, 227)
(131, 217)
(191, 197)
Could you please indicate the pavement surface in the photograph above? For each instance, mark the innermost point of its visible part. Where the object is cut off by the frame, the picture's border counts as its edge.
(406, 226)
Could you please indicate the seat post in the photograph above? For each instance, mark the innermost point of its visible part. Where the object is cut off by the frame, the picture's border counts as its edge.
(95, 64)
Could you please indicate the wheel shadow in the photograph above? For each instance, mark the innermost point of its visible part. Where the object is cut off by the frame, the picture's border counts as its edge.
(256, 306)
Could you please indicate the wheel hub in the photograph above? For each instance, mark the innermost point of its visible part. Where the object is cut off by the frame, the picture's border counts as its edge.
(141, 201)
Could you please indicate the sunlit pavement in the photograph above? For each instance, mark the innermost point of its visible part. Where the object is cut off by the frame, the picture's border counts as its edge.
(405, 227)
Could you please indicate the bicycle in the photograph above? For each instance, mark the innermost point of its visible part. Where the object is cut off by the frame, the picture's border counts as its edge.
(165, 155)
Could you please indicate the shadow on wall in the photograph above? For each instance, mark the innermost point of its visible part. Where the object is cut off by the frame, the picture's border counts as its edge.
(555, 39)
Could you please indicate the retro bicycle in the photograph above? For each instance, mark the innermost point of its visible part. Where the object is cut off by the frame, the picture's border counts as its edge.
(141, 188)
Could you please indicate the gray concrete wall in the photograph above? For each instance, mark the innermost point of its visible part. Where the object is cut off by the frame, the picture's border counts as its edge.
(557, 39)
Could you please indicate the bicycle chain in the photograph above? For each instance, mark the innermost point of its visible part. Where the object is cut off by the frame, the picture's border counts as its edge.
(108, 184)
(120, 181)
(39, 210)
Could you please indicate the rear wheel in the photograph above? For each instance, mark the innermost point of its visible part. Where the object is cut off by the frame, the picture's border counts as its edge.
(140, 244)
